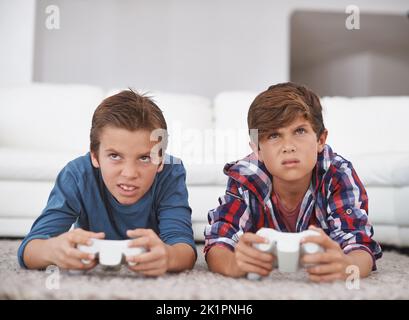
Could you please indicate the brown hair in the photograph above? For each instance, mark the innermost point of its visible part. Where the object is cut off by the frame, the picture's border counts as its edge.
(280, 105)
(128, 110)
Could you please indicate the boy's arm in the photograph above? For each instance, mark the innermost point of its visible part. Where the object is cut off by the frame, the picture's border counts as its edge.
(226, 223)
(349, 241)
(181, 256)
(222, 260)
(363, 260)
(160, 257)
(333, 263)
(244, 259)
(37, 254)
(61, 211)
(348, 219)
(174, 213)
(60, 251)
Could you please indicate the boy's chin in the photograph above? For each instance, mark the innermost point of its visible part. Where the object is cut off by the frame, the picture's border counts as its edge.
(126, 201)
(290, 177)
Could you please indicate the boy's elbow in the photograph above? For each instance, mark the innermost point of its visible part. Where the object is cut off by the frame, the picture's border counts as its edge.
(181, 257)
(222, 260)
(191, 258)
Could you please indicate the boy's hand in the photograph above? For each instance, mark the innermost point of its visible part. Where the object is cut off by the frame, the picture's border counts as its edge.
(331, 264)
(250, 259)
(155, 261)
(64, 252)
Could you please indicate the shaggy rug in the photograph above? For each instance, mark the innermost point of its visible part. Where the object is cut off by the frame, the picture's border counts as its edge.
(391, 281)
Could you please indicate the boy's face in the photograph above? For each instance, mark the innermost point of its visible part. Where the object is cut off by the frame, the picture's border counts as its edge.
(124, 158)
(290, 153)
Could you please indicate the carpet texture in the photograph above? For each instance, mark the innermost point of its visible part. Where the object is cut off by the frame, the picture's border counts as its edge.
(391, 281)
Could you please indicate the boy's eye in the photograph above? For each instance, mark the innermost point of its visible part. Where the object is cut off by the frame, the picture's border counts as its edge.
(300, 131)
(274, 135)
(114, 156)
(145, 159)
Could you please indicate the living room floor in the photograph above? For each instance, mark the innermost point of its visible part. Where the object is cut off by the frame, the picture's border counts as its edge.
(390, 281)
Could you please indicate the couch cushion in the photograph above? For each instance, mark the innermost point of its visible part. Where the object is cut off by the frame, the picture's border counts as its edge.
(47, 116)
(382, 169)
(367, 124)
(231, 108)
(27, 165)
(205, 174)
(23, 199)
(388, 205)
(230, 112)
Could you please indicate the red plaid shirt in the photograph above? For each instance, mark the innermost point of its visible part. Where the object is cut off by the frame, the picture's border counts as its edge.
(336, 201)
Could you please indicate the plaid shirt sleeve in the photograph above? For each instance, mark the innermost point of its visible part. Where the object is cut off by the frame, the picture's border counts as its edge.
(229, 220)
(348, 213)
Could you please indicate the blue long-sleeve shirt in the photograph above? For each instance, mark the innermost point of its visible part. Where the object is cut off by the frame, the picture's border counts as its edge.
(80, 197)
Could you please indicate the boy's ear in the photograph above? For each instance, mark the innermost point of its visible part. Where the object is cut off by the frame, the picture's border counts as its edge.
(322, 139)
(162, 164)
(94, 160)
(256, 150)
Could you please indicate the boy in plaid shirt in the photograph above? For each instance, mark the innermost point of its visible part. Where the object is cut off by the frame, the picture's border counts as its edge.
(291, 182)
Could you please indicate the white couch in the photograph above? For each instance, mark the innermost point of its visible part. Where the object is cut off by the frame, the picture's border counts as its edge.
(43, 126)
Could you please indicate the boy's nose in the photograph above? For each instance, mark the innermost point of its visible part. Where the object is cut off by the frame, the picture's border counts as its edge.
(130, 172)
(289, 149)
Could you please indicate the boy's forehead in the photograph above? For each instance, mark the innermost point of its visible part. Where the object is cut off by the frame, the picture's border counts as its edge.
(118, 149)
(113, 133)
(122, 140)
(297, 122)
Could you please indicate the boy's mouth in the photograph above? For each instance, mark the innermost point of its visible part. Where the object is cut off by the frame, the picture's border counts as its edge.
(290, 162)
(127, 187)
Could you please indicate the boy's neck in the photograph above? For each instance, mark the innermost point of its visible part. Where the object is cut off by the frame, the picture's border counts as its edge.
(291, 193)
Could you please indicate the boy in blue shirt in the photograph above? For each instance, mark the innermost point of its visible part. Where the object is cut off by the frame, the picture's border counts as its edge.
(125, 187)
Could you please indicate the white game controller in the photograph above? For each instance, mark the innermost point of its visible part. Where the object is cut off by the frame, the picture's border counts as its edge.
(111, 253)
(285, 247)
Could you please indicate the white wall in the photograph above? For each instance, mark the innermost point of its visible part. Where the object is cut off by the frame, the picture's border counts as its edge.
(17, 41)
(193, 46)
(189, 46)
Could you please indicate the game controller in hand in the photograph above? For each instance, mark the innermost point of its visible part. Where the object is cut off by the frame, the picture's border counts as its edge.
(286, 248)
(111, 253)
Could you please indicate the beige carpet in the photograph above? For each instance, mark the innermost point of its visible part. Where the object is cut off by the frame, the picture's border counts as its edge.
(391, 281)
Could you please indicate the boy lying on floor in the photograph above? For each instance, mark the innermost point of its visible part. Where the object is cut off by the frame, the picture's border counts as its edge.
(291, 182)
(125, 187)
